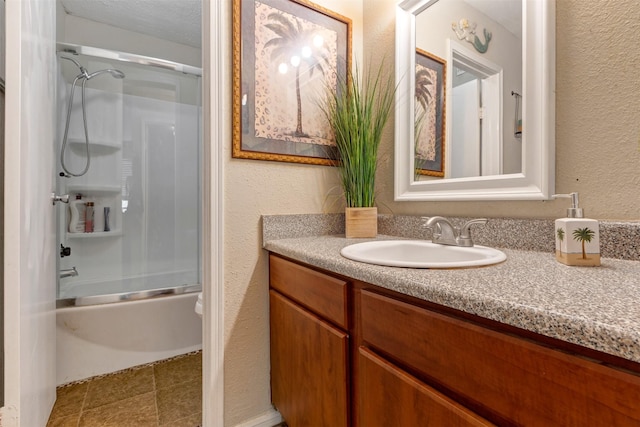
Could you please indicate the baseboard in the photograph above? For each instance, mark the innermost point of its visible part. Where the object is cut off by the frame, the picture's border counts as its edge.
(9, 416)
(268, 419)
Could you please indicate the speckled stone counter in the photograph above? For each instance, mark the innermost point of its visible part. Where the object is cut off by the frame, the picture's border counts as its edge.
(596, 307)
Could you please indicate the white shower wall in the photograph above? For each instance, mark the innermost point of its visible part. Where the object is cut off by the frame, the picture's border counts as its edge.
(145, 168)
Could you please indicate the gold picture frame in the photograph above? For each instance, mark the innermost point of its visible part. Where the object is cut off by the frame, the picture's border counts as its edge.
(285, 53)
(430, 97)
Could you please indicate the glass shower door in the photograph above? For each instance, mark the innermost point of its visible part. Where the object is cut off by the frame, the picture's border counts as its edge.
(142, 189)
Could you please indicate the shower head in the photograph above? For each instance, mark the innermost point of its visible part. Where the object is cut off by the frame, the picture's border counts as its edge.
(115, 73)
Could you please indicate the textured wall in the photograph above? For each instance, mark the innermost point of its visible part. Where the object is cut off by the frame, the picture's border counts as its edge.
(598, 102)
(598, 105)
(597, 114)
(254, 188)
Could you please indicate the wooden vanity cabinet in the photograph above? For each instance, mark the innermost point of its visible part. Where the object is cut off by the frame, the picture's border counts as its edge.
(309, 346)
(349, 353)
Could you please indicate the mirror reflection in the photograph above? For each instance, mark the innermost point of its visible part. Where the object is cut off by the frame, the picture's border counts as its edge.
(468, 86)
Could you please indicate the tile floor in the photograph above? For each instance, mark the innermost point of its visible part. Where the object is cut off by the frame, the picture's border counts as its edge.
(167, 393)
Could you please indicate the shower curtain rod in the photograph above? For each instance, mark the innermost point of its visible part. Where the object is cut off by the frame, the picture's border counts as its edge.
(75, 49)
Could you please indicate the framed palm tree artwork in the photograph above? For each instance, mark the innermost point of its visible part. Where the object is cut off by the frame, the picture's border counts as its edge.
(429, 126)
(285, 55)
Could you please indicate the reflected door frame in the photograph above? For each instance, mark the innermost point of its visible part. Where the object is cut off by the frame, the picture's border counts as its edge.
(491, 76)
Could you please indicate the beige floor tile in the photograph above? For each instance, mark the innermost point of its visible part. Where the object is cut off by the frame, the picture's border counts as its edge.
(191, 421)
(138, 411)
(179, 401)
(69, 421)
(113, 388)
(179, 370)
(69, 400)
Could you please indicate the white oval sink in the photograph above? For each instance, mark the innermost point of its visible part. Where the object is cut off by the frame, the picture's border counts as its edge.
(421, 254)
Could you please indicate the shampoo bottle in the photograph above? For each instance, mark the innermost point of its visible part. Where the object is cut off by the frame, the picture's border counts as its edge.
(76, 210)
(577, 238)
(89, 218)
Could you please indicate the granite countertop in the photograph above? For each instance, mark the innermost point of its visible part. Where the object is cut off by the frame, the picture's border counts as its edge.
(596, 307)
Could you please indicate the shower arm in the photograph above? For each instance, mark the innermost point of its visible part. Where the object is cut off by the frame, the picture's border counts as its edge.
(83, 70)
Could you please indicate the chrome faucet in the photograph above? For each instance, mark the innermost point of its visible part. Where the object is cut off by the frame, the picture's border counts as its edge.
(68, 272)
(445, 233)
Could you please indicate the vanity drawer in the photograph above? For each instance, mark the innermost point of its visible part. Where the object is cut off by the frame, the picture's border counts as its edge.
(325, 295)
(499, 375)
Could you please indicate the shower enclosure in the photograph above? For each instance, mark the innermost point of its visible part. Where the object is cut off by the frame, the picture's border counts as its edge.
(131, 229)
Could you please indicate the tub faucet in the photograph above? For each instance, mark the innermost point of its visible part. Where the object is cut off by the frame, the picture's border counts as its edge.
(68, 272)
(445, 233)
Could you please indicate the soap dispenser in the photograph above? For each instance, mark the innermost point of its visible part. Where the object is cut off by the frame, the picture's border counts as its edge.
(577, 238)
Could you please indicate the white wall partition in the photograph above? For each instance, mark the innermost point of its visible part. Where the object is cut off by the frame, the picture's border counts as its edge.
(2, 76)
(29, 239)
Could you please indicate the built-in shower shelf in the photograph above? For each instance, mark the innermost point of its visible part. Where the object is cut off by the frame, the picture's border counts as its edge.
(102, 197)
(96, 148)
(95, 234)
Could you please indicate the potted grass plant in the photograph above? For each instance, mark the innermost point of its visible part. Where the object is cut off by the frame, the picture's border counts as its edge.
(357, 111)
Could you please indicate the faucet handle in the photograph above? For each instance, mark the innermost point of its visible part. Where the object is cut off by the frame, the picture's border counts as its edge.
(64, 198)
(430, 221)
(465, 230)
(436, 229)
(464, 239)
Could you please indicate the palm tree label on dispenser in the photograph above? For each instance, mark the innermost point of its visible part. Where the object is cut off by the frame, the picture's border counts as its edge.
(577, 238)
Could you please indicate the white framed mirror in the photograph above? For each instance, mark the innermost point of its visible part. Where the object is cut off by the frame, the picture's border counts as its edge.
(508, 151)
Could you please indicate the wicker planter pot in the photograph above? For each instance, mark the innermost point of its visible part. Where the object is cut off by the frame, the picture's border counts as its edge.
(361, 222)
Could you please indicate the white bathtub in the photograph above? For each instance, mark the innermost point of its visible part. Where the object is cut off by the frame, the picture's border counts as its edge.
(99, 339)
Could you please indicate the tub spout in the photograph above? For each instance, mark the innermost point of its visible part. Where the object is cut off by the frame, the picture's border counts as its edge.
(68, 272)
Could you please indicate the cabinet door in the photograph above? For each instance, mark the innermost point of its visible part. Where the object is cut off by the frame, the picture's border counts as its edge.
(511, 377)
(391, 397)
(308, 366)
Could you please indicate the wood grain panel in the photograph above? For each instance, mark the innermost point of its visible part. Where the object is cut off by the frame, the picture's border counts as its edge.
(309, 368)
(320, 293)
(514, 378)
(391, 397)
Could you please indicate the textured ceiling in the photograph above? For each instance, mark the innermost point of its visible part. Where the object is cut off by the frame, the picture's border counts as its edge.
(174, 20)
